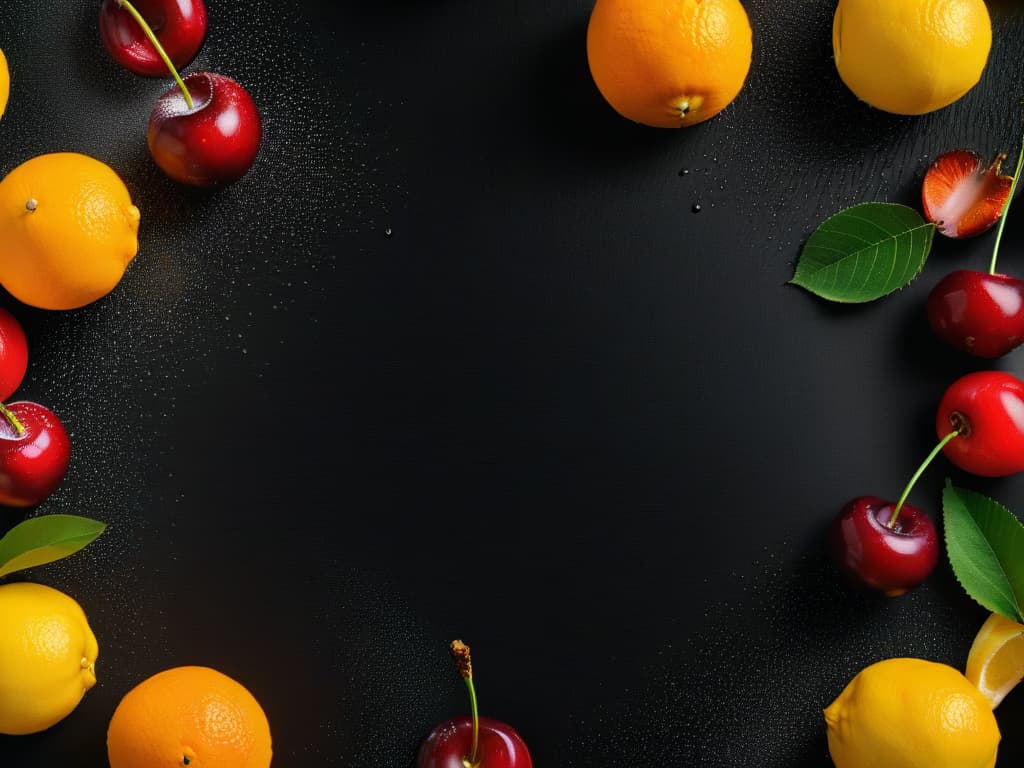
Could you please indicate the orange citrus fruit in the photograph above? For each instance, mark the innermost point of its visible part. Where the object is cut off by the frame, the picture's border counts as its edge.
(68, 230)
(669, 63)
(5, 83)
(913, 56)
(995, 662)
(189, 716)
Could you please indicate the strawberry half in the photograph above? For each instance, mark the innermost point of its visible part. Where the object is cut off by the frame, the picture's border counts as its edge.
(961, 196)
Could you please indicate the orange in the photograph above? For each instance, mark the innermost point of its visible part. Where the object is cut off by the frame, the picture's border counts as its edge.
(669, 63)
(189, 716)
(68, 230)
(5, 83)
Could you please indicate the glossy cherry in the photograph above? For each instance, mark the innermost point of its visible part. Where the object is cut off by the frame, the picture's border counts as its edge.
(987, 408)
(978, 312)
(34, 453)
(472, 741)
(213, 142)
(891, 559)
(13, 354)
(179, 25)
(448, 745)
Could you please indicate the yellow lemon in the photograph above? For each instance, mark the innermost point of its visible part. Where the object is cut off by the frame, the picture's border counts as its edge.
(911, 56)
(47, 657)
(68, 230)
(995, 663)
(911, 713)
(5, 83)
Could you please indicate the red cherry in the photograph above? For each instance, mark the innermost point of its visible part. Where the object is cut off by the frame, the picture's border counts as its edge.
(213, 142)
(977, 312)
(34, 453)
(890, 559)
(179, 25)
(13, 354)
(987, 408)
(449, 744)
(962, 196)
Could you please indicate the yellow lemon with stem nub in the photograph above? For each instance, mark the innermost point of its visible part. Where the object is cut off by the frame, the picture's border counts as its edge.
(68, 230)
(911, 713)
(47, 657)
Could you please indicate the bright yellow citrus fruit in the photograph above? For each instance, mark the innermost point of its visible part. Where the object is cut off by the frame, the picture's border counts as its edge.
(47, 657)
(911, 56)
(669, 63)
(189, 716)
(5, 83)
(911, 713)
(995, 663)
(68, 230)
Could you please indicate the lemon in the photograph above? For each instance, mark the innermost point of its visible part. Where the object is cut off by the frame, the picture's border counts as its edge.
(911, 713)
(5, 83)
(68, 230)
(912, 56)
(47, 657)
(995, 663)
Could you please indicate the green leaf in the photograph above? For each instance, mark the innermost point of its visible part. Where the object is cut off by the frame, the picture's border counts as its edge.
(985, 543)
(41, 540)
(864, 253)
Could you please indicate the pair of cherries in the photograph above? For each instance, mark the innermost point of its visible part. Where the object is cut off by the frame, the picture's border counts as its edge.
(34, 446)
(980, 419)
(204, 131)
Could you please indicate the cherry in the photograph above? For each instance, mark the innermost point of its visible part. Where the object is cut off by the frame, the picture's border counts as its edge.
(892, 559)
(214, 141)
(179, 25)
(890, 547)
(987, 409)
(472, 741)
(978, 312)
(13, 354)
(34, 453)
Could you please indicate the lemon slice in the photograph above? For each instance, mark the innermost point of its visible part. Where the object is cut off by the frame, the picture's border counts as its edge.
(995, 663)
(5, 83)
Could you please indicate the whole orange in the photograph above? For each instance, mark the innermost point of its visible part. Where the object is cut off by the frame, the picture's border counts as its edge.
(669, 63)
(68, 230)
(189, 716)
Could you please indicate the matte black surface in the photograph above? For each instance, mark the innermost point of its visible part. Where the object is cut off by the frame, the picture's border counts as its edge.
(458, 359)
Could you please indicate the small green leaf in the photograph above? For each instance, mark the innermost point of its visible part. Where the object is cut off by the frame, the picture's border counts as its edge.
(864, 253)
(41, 540)
(985, 543)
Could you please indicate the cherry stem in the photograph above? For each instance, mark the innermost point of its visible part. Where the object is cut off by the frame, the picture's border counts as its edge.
(9, 415)
(159, 48)
(920, 471)
(1005, 212)
(460, 654)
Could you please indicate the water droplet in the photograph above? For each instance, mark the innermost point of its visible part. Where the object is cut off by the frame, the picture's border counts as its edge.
(697, 207)
(388, 232)
(684, 172)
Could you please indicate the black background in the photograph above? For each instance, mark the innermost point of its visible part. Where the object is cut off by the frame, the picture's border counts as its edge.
(457, 358)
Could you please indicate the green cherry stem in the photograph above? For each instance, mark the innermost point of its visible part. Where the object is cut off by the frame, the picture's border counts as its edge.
(12, 419)
(1005, 212)
(159, 48)
(460, 653)
(920, 471)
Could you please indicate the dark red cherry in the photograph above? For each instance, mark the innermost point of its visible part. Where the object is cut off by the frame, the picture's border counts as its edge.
(977, 312)
(449, 744)
(987, 408)
(13, 354)
(890, 559)
(179, 25)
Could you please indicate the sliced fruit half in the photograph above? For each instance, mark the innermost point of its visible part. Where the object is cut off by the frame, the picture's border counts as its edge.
(995, 663)
(962, 196)
(5, 83)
